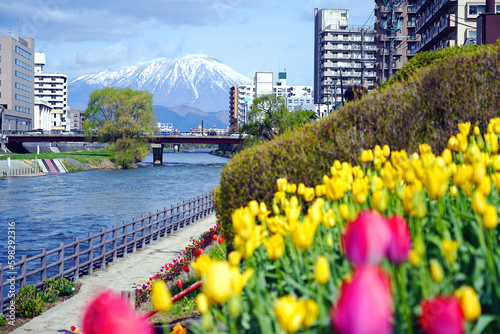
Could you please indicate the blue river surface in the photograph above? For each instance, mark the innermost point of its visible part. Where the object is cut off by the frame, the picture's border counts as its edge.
(57, 208)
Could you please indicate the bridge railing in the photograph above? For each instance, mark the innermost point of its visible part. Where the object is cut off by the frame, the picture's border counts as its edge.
(84, 255)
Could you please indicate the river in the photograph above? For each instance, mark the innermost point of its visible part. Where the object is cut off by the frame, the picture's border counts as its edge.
(59, 207)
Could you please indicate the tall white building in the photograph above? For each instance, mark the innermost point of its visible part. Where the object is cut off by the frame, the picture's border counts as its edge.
(52, 87)
(342, 56)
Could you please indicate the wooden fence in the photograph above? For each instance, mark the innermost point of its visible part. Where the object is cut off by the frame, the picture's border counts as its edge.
(83, 256)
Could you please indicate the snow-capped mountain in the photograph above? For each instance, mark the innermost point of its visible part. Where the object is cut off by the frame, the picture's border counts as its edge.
(196, 80)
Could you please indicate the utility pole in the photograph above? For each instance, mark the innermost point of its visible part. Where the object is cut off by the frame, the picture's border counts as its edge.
(391, 39)
(383, 63)
(362, 56)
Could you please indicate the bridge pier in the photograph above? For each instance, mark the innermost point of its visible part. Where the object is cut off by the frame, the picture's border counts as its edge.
(157, 154)
(176, 148)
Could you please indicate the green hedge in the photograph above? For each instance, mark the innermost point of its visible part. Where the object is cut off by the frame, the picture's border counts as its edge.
(426, 107)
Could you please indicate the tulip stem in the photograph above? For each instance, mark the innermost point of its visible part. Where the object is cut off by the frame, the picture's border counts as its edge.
(401, 275)
(278, 276)
(489, 260)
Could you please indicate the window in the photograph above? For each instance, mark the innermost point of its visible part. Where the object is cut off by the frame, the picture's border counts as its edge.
(23, 87)
(23, 76)
(23, 53)
(23, 65)
(23, 98)
(343, 14)
(23, 109)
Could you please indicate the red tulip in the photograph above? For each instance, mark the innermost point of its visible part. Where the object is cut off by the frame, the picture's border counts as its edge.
(179, 283)
(199, 251)
(111, 314)
(367, 239)
(186, 268)
(221, 240)
(214, 236)
(400, 244)
(365, 305)
(442, 314)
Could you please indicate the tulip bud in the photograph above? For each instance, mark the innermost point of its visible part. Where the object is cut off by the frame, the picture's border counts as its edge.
(437, 273)
(322, 270)
(490, 217)
(479, 203)
(414, 258)
(160, 296)
(469, 302)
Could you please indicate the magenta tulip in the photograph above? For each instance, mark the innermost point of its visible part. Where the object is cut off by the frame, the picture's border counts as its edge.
(365, 305)
(111, 314)
(441, 315)
(400, 244)
(367, 239)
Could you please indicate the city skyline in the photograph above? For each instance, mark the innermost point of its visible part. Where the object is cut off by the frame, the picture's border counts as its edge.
(250, 36)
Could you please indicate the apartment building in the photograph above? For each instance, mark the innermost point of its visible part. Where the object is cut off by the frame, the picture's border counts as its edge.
(343, 56)
(444, 23)
(395, 26)
(74, 119)
(52, 87)
(16, 83)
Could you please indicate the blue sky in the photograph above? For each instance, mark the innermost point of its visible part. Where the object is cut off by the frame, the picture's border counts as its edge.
(82, 37)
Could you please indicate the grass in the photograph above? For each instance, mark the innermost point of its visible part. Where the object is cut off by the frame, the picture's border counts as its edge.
(78, 155)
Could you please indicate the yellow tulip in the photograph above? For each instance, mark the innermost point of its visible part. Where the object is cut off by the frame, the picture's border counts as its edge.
(414, 258)
(329, 218)
(495, 178)
(320, 190)
(479, 203)
(447, 156)
(437, 273)
(453, 144)
(386, 151)
(360, 191)
(337, 165)
(160, 296)
(289, 313)
(479, 172)
(202, 264)
(344, 212)
(490, 217)
(292, 216)
(279, 196)
(311, 313)
(464, 128)
(450, 249)
(239, 280)
(202, 303)
(366, 156)
(476, 131)
(309, 194)
(335, 189)
(275, 246)
(322, 270)
(301, 189)
(329, 242)
(217, 282)
(303, 234)
(276, 225)
(491, 142)
(234, 258)
(453, 191)
(282, 184)
(436, 181)
(254, 207)
(315, 211)
(469, 302)
(485, 186)
(243, 222)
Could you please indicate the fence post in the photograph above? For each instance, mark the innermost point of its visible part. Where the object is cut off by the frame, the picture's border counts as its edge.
(44, 264)
(23, 271)
(125, 240)
(91, 253)
(151, 229)
(1, 288)
(143, 234)
(134, 237)
(114, 243)
(61, 260)
(103, 248)
(77, 260)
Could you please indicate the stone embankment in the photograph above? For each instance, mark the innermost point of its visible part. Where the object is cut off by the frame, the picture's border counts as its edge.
(227, 150)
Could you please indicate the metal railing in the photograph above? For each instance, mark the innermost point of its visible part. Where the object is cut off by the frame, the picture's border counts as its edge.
(83, 256)
(21, 172)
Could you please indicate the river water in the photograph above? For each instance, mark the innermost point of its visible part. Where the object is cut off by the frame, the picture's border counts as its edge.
(59, 207)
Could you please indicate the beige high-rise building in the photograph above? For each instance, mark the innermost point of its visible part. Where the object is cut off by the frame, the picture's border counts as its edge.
(17, 98)
(395, 27)
(443, 23)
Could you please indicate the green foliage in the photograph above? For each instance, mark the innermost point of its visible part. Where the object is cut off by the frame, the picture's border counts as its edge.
(425, 108)
(122, 116)
(3, 320)
(59, 287)
(269, 117)
(29, 302)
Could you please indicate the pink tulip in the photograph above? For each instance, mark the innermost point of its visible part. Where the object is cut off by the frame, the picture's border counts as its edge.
(367, 239)
(441, 315)
(400, 244)
(111, 314)
(365, 305)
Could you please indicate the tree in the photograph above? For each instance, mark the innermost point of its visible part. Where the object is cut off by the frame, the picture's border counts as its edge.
(123, 116)
(269, 117)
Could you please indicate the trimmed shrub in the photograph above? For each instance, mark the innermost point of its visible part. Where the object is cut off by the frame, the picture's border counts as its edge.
(424, 108)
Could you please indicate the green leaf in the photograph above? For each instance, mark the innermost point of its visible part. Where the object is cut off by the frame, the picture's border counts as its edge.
(483, 322)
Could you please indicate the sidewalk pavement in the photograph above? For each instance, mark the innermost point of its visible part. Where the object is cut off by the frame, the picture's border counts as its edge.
(118, 276)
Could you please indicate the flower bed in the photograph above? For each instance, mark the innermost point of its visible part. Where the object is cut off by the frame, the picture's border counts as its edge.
(399, 244)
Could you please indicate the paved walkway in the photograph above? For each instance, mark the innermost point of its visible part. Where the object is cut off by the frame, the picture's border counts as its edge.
(17, 168)
(118, 276)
